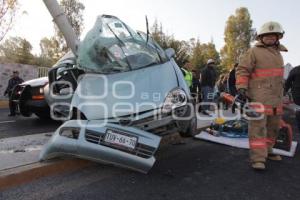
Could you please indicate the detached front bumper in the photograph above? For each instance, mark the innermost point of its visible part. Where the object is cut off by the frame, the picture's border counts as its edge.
(87, 140)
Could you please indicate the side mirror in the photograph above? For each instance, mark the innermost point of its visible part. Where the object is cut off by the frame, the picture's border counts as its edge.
(170, 53)
(66, 91)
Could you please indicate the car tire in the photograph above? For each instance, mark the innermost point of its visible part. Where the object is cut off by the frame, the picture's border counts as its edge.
(191, 130)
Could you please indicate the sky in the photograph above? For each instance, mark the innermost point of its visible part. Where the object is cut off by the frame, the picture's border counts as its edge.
(185, 19)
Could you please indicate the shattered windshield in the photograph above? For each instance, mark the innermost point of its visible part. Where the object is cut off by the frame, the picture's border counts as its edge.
(111, 47)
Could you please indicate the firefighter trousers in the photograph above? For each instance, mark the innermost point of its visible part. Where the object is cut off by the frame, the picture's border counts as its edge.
(262, 137)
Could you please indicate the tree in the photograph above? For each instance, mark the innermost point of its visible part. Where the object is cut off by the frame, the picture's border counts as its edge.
(200, 53)
(8, 10)
(17, 50)
(55, 47)
(157, 33)
(168, 41)
(192, 51)
(73, 10)
(181, 50)
(50, 52)
(196, 59)
(238, 34)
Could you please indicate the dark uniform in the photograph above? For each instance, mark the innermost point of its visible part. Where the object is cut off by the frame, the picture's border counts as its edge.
(293, 82)
(231, 81)
(11, 85)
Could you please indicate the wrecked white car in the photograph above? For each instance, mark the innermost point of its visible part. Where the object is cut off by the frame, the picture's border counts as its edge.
(124, 92)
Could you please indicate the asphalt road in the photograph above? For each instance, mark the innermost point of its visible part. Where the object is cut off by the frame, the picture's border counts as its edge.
(192, 170)
(19, 126)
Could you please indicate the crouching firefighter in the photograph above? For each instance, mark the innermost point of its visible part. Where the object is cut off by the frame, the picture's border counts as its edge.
(260, 78)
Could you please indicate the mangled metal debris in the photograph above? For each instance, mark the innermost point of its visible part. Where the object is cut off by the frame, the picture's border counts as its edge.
(126, 147)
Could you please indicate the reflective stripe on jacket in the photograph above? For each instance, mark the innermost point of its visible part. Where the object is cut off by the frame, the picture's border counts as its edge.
(260, 143)
(261, 73)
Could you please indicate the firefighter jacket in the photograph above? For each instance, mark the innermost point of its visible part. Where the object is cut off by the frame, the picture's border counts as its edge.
(260, 72)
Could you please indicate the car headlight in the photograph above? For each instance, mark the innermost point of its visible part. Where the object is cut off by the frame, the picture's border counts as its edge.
(38, 93)
(41, 90)
(176, 98)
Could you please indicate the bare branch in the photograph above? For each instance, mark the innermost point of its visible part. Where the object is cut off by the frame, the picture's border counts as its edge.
(8, 9)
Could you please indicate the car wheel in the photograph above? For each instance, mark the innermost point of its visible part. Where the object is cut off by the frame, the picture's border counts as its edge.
(191, 129)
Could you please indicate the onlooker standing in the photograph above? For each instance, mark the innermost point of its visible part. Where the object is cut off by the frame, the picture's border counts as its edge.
(231, 81)
(293, 82)
(14, 81)
(208, 78)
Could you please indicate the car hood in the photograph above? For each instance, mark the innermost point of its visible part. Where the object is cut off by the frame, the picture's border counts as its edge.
(122, 94)
(36, 82)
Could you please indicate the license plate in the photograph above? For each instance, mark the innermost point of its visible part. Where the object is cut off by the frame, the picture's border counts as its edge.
(116, 138)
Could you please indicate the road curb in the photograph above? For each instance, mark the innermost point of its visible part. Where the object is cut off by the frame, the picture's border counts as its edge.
(27, 173)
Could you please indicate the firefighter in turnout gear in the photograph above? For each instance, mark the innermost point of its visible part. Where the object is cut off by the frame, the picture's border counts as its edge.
(259, 76)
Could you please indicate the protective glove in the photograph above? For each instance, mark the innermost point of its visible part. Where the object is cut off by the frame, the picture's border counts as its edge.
(240, 100)
(243, 99)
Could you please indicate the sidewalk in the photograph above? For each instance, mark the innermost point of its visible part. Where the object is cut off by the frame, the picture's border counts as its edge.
(24, 150)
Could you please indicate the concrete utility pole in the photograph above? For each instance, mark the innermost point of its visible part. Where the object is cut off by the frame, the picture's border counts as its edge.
(60, 19)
